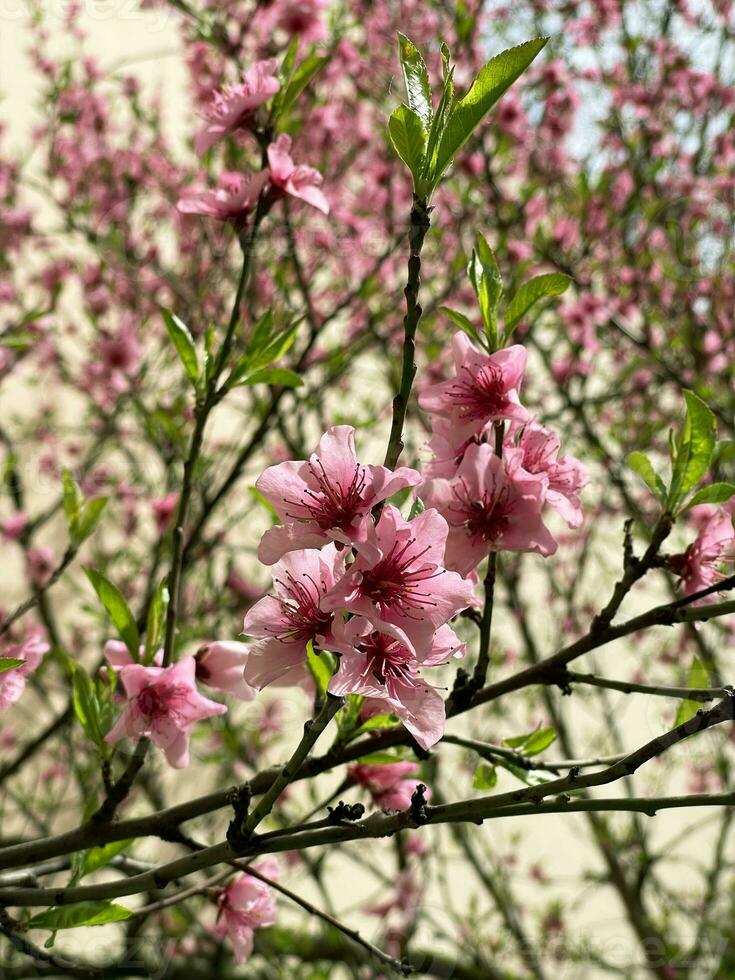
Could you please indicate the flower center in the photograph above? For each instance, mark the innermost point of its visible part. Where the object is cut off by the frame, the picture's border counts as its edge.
(485, 517)
(393, 585)
(479, 394)
(302, 617)
(387, 657)
(331, 504)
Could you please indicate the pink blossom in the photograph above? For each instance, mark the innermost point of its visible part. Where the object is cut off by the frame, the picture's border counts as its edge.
(246, 905)
(118, 355)
(118, 656)
(484, 389)
(566, 477)
(293, 617)
(489, 509)
(163, 509)
(163, 705)
(13, 527)
(697, 566)
(13, 682)
(234, 198)
(380, 661)
(234, 105)
(40, 563)
(402, 582)
(297, 181)
(386, 783)
(327, 497)
(220, 665)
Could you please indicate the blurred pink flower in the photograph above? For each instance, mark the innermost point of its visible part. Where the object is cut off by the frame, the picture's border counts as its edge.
(234, 105)
(246, 905)
(697, 566)
(386, 783)
(298, 181)
(234, 198)
(163, 509)
(13, 527)
(220, 665)
(163, 705)
(13, 682)
(40, 564)
(327, 497)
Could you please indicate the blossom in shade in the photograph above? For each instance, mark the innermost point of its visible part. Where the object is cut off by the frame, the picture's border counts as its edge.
(489, 509)
(13, 681)
(234, 105)
(233, 199)
(163, 509)
(484, 389)
(697, 567)
(292, 179)
(12, 527)
(291, 618)
(117, 655)
(246, 905)
(326, 497)
(401, 581)
(381, 662)
(163, 704)
(220, 665)
(536, 450)
(386, 783)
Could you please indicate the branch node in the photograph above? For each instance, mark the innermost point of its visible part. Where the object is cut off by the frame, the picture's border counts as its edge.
(419, 805)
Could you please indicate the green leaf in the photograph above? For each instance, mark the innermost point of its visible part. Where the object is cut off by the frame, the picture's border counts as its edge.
(408, 136)
(694, 449)
(155, 621)
(462, 322)
(697, 678)
(300, 79)
(376, 722)
(416, 79)
(713, 493)
(79, 914)
(266, 346)
(184, 344)
(98, 857)
(274, 376)
(321, 665)
(485, 777)
(539, 740)
(71, 497)
(549, 284)
(86, 706)
(493, 80)
(642, 466)
(117, 609)
(10, 663)
(87, 520)
(488, 285)
(443, 112)
(417, 507)
(531, 777)
(383, 758)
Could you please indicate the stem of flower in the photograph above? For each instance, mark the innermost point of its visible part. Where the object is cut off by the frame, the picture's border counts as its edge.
(418, 227)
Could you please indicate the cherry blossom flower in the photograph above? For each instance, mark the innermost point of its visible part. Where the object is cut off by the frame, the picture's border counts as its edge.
(13, 682)
(12, 527)
(246, 905)
(536, 449)
(163, 509)
(163, 704)
(297, 181)
(234, 198)
(386, 784)
(402, 582)
(381, 662)
(489, 509)
(327, 497)
(118, 656)
(697, 566)
(484, 389)
(234, 105)
(293, 617)
(40, 563)
(220, 665)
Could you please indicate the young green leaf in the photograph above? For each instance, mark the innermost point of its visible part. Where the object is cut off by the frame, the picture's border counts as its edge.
(488, 285)
(300, 79)
(416, 78)
(86, 706)
(408, 136)
(493, 80)
(117, 608)
(464, 323)
(321, 666)
(71, 497)
(376, 722)
(10, 663)
(155, 621)
(549, 284)
(642, 466)
(713, 493)
(184, 344)
(274, 376)
(538, 741)
(485, 777)
(694, 449)
(696, 678)
(87, 520)
(98, 857)
(79, 914)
